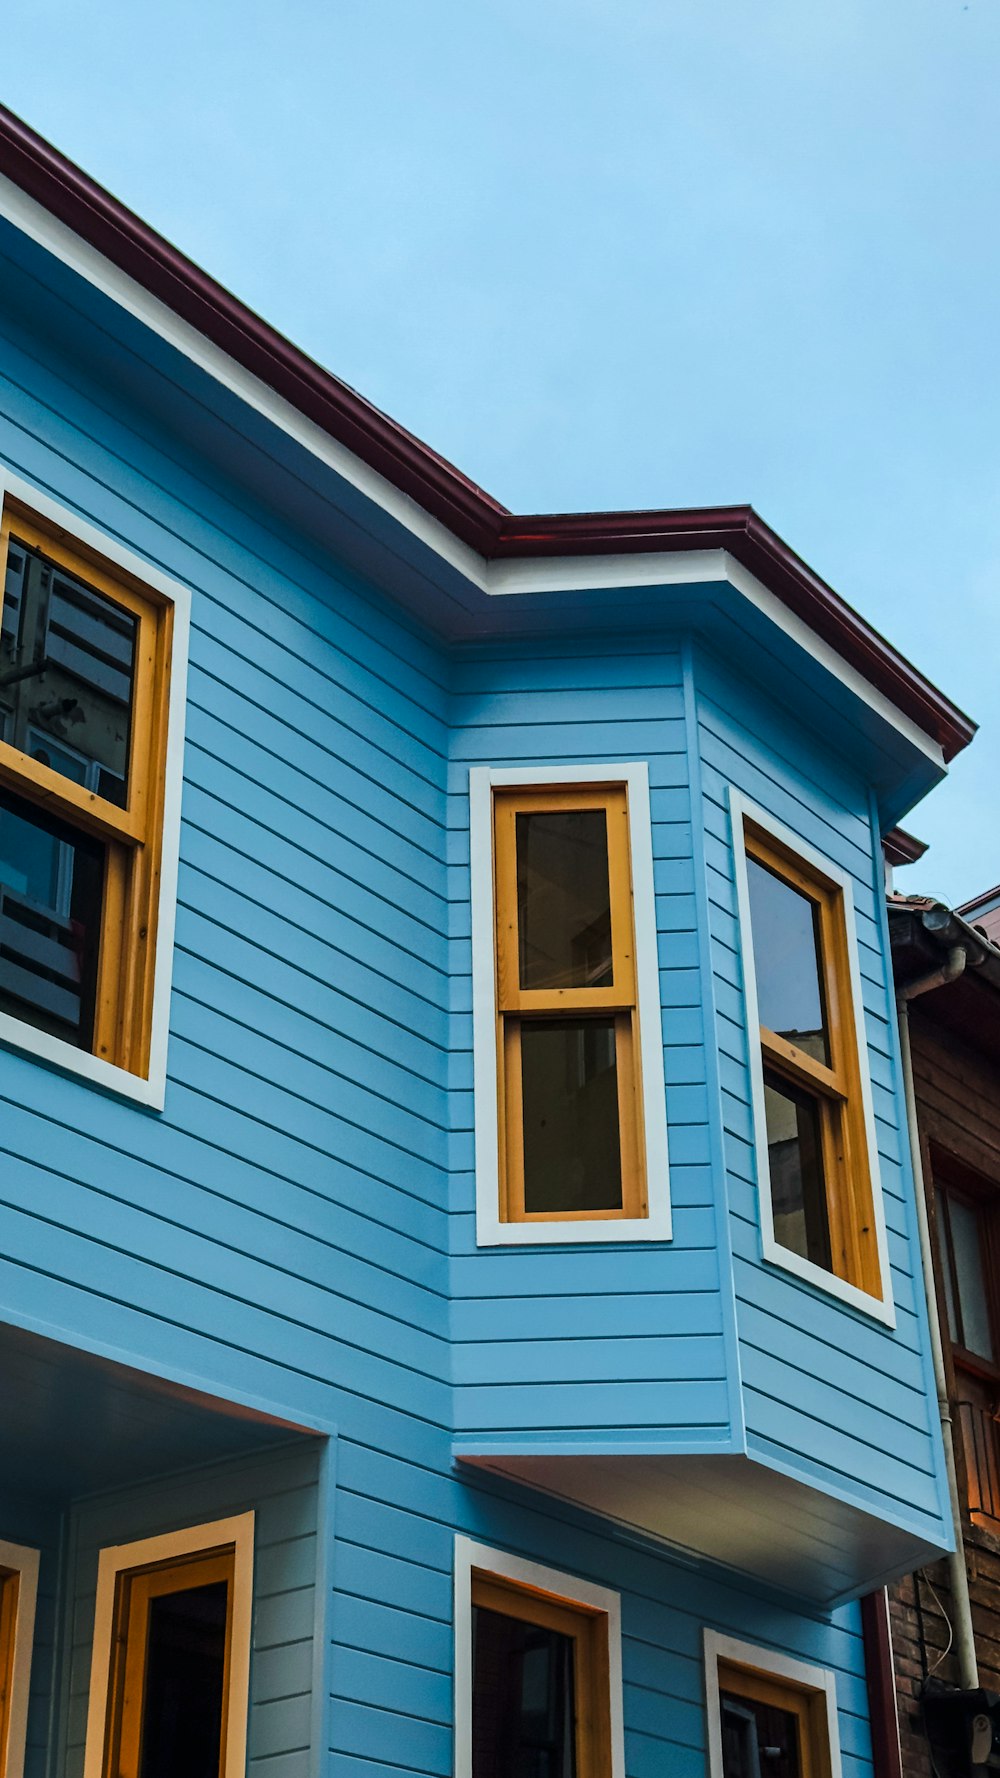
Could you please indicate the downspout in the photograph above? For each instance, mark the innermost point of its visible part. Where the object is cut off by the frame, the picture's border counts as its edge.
(965, 1641)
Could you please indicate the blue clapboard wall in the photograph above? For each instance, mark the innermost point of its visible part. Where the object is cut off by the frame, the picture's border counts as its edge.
(296, 1229)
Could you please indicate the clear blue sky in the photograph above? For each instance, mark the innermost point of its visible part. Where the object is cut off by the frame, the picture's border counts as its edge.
(615, 253)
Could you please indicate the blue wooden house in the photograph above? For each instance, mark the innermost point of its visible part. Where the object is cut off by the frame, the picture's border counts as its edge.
(460, 1308)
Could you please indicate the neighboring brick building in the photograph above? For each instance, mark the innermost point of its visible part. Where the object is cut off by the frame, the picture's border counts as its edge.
(955, 1043)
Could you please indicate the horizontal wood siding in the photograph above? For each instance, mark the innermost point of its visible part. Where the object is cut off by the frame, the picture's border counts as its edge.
(568, 1341)
(392, 1622)
(280, 1487)
(281, 1228)
(829, 1393)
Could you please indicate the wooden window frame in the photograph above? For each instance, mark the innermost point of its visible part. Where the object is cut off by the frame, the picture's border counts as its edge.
(129, 1575)
(859, 1271)
(128, 1053)
(18, 1598)
(650, 1170)
(590, 1614)
(974, 1380)
(763, 1676)
(515, 1004)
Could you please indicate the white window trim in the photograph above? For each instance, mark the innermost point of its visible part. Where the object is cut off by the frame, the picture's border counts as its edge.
(24, 1563)
(567, 1590)
(819, 1680)
(880, 1308)
(490, 1230)
(16, 1032)
(116, 1559)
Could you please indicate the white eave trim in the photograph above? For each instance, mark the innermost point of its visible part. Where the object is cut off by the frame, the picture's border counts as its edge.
(527, 575)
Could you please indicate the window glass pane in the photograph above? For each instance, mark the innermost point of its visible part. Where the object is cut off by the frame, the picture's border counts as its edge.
(564, 899)
(67, 657)
(970, 1272)
(944, 1241)
(51, 890)
(185, 1668)
(569, 1089)
(787, 963)
(759, 1740)
(798, 1194)
(522, 1699)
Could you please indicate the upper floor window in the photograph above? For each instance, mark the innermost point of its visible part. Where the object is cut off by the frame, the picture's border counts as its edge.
(566, 1001)
(569, 1097)
(965, 1239)
(967, 1256)
(815, 1146)
(85, 656)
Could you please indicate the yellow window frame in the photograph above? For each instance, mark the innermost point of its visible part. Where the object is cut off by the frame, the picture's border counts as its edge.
(132, 836)
(588, 1629)
(837, 1089)
(809, 1708)
(136, 1589)
(515, 1004)
(10, 1582)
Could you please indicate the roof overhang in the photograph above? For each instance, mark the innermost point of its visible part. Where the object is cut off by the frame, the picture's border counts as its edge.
(468, 567)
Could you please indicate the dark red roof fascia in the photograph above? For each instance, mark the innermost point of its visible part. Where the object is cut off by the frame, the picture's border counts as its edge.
(901, 847)
(91, 212)
(427, 478)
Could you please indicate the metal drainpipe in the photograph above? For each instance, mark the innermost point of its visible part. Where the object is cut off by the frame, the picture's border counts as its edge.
(965, 1641)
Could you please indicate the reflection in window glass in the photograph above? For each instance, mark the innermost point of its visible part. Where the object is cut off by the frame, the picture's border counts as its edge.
(569, 1088)
(563, 899)
(184, 1689)
(759, 1740)
(787, 961)
(67, 658)
(51, 889)
(522, 1699)
(965, 1272)
(798, 1193)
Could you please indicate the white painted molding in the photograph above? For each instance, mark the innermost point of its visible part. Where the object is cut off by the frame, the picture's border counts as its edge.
(565, 1588)
(16, 1032)
(818, 1680)
(23, 1562)
(490, 1230)
(236, 1533)
(524, 575)
(742, 810)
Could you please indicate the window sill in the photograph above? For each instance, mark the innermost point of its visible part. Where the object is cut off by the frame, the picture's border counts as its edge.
(828, 1283)
(69, 1060)
(494, 1233)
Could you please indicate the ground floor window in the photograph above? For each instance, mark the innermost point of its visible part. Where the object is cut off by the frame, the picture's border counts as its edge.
(170, 1672)
(769, 1716)
(18, 1591)
(538, 1671)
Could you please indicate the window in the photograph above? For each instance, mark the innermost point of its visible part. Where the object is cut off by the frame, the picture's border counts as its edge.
(18, 1593)
(769, 1716)
(85, 671)
(170, 1667)
(578, 1129)
(538, 1671)
(967, 1258)
(816, 1154)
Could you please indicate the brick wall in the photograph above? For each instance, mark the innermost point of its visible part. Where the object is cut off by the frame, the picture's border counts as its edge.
(958, 1106)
